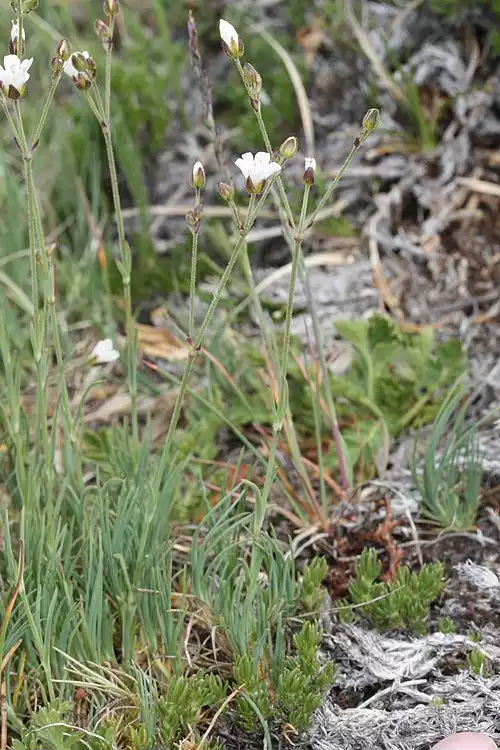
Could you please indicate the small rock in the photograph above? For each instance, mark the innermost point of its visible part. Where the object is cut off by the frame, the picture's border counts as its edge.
(466, 741)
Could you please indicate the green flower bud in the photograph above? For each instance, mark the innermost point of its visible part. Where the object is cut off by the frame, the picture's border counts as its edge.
(198, 177)
(252, 79)
(226, 191)
(371, 120)
(102, 30)
(63, 50)
(111, 8)
(289, 147)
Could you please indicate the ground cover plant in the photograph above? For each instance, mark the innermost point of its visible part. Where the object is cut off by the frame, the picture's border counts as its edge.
(171, 492)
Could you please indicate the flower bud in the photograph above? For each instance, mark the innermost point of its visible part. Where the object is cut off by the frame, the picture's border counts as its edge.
(252, 80)
(111, 7)
(193, 218)
(371, 120)
(56, 65)
(103, 31)
(289, 147)
(63, 50)
(198, 177)
(16, 47)
(81, 68)
(309, 170)
(226, 191)
(29, 5)
(231, 42)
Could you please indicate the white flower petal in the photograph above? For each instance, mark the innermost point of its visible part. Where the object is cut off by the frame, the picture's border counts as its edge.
(258, 168)
(104, 352)
(228, 33)
(245, 164)
(262, 159)
(310, 163)
(14, 33)
(15, 73)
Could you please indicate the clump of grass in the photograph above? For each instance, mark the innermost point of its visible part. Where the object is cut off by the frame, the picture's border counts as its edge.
(450, 481)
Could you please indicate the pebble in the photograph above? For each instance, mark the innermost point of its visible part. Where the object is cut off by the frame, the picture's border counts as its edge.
(466, 741)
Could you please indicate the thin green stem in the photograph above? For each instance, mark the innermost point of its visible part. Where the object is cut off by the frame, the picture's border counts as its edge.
(194, 263)
(45, 112)
(10, 120)
(109, 59)
(99, 110)
(269, 148)
(354, 150)
(282, 405)
(20, 30)
(195, 347)
(318, 337)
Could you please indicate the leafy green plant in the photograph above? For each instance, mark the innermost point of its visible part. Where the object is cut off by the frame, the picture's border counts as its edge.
(288, 695)
(446, 625)
(450, 482)
(303, 681)
(180, 707)
(312, 594)
(478, 662)
(402, 603)
(51, 728)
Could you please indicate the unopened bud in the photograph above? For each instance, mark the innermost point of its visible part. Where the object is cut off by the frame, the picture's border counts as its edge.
(56, 65)
(29, 5)
(193, 218)
(80, 61)
(371, 120)
(309, 169)
(231, 42)
(111, 7)
(226, 191)
(15, 46)
(63, 50)
(102, 30)
(289, 147)
(252, 80)
(198, 177)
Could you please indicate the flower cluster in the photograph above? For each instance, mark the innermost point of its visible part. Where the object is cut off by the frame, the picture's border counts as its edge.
(81, 68)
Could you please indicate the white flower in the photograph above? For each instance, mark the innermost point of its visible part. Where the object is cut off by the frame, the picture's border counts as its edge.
(14, 74)
(257, 169)
(14, 34)
(310, 164)
(231, 42)
(103, 352)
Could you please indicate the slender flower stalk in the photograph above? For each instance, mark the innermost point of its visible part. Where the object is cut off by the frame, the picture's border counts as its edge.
(369, 124)
(282, 406)
(193, 219)
(255, 204)
(45, 111)
(81, 68)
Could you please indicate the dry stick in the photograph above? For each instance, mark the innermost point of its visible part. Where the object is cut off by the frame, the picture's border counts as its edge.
(206, 91)
(3, 635)
(3, 693)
